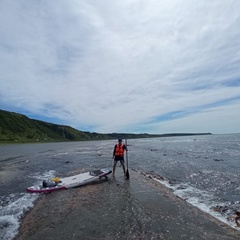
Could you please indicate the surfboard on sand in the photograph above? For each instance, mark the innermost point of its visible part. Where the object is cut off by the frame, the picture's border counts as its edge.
(56, 184)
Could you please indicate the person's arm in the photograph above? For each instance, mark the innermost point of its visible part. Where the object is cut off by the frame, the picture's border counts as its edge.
(114, 150)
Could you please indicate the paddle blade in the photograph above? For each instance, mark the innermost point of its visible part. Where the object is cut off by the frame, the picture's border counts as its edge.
(127, 174)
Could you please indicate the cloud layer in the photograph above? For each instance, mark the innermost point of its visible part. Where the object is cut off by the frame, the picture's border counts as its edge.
(126, 66)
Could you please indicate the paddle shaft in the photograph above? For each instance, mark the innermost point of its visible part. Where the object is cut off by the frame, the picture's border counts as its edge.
(127, 172)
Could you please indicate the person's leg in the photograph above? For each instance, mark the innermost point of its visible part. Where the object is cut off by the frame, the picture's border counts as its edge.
(114, 167)
(123, 165)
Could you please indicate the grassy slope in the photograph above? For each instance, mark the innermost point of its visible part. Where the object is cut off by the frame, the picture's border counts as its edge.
(19, 128)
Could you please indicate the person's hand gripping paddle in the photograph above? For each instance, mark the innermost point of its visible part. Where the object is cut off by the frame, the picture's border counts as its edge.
(127, 173)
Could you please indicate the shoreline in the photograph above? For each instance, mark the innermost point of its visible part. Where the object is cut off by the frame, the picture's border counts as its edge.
(214, 211)
(140, 208)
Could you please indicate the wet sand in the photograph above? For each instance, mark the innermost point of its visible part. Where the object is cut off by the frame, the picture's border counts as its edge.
(139, 208)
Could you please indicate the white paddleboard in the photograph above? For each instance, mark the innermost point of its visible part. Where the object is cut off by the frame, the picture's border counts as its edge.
(70, 182)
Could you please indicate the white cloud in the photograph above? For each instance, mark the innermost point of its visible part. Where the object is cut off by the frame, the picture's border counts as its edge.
(115, 66)
(218, 120)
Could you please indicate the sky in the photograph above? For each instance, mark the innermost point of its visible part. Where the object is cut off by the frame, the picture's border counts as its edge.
(133, 66)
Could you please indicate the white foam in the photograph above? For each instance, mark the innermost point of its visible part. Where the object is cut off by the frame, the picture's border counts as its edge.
(45, 175)
(9, 226)
(60, 154)
(207, 208)
(198, 198)
(11, 214)
(14, 206)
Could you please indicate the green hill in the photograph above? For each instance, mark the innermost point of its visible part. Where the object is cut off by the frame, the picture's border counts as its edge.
(16, 127)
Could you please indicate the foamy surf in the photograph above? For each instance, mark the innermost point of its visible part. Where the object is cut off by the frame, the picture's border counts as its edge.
(203, 200)
(14, 206)
(11, 214)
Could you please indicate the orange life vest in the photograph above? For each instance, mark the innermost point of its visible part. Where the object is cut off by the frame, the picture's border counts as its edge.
(119, 150)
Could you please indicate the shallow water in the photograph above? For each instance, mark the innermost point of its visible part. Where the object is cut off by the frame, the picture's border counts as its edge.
(203, 170)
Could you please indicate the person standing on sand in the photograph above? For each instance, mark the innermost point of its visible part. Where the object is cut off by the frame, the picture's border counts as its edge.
(118, 155)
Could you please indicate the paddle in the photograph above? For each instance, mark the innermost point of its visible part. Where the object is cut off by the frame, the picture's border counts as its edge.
(127, 173)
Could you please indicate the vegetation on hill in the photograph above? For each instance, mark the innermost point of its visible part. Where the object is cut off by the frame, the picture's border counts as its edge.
(16, 127)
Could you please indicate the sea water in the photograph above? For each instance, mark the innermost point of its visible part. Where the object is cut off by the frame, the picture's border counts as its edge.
(203, 170)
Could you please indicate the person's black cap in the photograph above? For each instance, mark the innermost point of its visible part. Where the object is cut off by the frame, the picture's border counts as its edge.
(120, 140)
